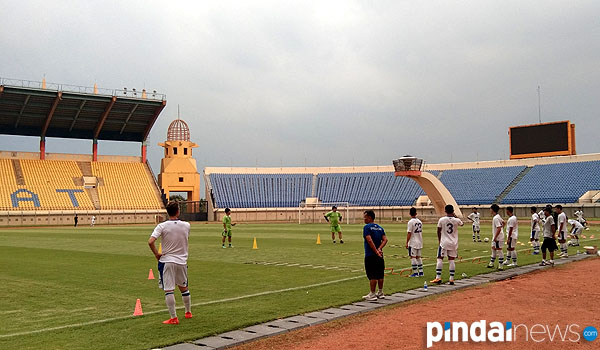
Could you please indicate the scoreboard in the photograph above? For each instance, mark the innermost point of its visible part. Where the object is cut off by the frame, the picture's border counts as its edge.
(542, 140)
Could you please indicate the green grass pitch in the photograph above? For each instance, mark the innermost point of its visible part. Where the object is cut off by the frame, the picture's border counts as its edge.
(76, 288)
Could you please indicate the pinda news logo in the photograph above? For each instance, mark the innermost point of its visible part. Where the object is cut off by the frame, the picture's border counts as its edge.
(500, 332)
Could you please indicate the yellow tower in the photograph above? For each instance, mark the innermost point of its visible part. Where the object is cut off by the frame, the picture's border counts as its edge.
(178, 170)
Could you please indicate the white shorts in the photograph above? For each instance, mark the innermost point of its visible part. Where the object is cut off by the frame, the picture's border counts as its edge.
(412, 252)
(171, 274)
(476, 228)
(511, 243)
(535, 234)
(576, 232)
(446, 252)
(498, 244)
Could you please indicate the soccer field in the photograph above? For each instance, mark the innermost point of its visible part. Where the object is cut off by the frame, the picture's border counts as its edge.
(77, 288)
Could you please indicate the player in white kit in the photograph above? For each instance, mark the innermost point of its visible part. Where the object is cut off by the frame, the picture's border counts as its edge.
(512, 234)
(447, 232)
(581, 219)
(535, 231)
(549, 243)
(497, 238)
(576, 229)
(414, 243)
(172, 263)
(561, 231)
(474, 217)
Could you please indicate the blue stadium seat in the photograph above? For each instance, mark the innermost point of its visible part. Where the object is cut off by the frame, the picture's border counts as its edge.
(556, 183)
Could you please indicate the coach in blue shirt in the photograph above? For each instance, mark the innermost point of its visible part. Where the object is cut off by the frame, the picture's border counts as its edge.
(375, 240)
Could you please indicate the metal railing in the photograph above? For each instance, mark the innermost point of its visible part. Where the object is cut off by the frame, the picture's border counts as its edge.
(129, 93)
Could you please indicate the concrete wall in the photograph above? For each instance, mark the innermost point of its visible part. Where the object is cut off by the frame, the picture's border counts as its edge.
(57, 218)
(383, 214)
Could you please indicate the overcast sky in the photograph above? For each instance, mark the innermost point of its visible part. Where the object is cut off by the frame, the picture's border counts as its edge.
(323, 82)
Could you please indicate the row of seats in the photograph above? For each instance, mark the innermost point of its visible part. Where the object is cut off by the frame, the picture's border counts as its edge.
(367, 189)
(556, 183)
(260, 190)
(51, 185)
(479, 186)
(126, 186)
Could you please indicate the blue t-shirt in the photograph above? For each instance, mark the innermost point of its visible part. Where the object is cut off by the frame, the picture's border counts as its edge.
(376, 232)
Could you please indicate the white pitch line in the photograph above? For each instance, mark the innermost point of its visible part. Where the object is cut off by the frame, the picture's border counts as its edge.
(181, 307)
(207, 303)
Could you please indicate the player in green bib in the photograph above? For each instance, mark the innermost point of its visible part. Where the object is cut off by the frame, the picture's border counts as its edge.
(334, 218)
(227, 227)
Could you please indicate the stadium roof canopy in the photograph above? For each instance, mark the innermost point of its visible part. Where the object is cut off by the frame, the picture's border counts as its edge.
(30, 108)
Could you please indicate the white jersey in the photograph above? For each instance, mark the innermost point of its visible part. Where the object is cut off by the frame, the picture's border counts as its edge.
(514, 223)
(542, 216)
(576, 223)
(579, 214)
(415, 227)
(535, 222)
(475, 218)
(449, 237)
(175, 235)
(548, 227)
(562, 223)
(498, 222)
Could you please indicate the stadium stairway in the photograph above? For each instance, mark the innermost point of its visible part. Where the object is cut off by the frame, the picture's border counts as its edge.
(86, 170)
(18, 172)
(313, 191)
(512, 185)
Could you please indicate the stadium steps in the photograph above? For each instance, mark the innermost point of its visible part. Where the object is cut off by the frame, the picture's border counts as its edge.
(93, 194)
(86, 168)
(512, 185)
(439, 176)
(155, 186)
(313, 191)
(16, 163)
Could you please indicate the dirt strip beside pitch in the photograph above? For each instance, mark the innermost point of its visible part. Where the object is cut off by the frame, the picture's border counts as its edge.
(565, 295)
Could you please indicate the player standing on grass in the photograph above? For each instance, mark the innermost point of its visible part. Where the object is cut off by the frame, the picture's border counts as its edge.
(172, 263)
(581, 219)
(576, 228)
(474, 217)
(535, 231)
(512, 235)
(93, 222)
(375, 240)
(497, 238)
(227, 227)
(549, 238)
(414, 243)
(334, 218)
(561, 228)
(447, 231)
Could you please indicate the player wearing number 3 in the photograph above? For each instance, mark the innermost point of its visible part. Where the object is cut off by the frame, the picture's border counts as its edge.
(447, 232)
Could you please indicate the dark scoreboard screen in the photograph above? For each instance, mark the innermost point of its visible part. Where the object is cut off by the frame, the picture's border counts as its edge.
(540, 139)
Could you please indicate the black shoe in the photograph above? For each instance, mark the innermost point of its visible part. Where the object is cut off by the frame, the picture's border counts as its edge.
(333, 241)
(341, 242)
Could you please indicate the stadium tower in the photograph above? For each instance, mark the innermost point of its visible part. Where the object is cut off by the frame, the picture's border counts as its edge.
(178, 170)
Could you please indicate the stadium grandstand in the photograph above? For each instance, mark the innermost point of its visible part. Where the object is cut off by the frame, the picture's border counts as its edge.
(282, 194)
(50, 188)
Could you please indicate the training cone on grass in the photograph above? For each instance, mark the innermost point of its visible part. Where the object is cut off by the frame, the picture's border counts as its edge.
(151, 275)
(318, 238)
(254, 245)
(138, 308)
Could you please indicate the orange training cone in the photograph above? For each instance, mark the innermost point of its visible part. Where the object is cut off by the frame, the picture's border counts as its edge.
(150, 275)
(592, 236)
(138, 308)
(254, 245)
(318, 238)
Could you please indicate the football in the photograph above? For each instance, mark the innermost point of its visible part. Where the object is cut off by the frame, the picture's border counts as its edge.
(486, 239)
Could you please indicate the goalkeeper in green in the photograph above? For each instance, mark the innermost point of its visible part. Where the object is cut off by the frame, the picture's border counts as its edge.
(334, 218)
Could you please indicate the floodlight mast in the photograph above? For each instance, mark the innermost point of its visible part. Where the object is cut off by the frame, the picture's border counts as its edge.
(412, 167)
